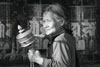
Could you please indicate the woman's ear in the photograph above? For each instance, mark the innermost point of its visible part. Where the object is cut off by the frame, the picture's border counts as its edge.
(59, 19)
(62, 21)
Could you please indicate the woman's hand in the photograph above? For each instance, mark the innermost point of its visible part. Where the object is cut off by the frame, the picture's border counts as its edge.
(34, 56)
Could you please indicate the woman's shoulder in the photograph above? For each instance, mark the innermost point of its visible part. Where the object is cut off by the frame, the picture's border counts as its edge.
(60, 37)
(64, 37)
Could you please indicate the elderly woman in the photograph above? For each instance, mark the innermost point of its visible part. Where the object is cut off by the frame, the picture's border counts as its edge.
(61, 49)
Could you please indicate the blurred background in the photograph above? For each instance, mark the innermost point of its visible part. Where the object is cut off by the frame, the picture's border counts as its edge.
(82, 19)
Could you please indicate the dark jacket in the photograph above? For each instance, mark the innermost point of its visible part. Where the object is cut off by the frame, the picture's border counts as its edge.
(61, 50)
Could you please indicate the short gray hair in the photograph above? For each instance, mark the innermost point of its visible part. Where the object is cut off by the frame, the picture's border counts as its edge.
(56, 9)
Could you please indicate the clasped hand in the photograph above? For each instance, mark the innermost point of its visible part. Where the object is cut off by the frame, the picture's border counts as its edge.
(34, 56)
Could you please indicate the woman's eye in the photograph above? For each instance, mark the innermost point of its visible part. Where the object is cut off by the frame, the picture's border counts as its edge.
(43, 22)
(48, 20)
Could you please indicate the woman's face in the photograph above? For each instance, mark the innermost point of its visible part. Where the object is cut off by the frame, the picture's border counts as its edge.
(49, 23)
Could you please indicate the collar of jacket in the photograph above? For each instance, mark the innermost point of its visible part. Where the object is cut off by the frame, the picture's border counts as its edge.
(52, 36)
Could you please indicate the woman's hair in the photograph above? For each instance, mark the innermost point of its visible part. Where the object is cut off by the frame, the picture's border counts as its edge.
(56, 9)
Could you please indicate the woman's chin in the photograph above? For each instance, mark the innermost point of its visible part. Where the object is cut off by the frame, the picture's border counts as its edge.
(47, 33)
(50, 31)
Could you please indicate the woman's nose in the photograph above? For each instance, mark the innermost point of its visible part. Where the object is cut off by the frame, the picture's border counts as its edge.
(45, 26)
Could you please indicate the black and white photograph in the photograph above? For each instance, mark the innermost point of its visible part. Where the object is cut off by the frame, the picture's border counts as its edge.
(49, 33)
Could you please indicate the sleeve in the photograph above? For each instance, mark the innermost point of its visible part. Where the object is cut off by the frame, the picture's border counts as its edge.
(61, 56)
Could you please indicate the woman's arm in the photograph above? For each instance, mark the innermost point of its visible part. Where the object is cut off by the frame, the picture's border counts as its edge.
(61, 56)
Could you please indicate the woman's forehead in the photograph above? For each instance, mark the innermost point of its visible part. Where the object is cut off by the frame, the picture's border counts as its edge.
(47, 14)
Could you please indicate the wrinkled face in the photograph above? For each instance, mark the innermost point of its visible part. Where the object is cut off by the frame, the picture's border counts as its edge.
(49, 23)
